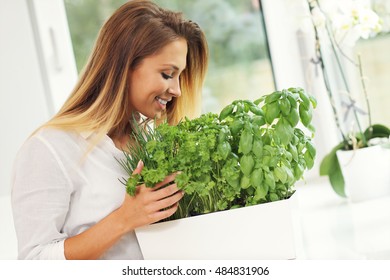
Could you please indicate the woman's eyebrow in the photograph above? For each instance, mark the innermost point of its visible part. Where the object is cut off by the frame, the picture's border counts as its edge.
(173, 66)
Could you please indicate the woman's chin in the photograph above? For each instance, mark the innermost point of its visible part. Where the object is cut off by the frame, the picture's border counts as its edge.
(158, 115)
(153, 115)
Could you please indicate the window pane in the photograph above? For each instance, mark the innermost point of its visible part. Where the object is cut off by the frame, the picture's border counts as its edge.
(239, 66)
(375, 57)
(85, 17)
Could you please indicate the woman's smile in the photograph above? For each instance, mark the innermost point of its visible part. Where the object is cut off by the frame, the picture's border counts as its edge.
(162, 102)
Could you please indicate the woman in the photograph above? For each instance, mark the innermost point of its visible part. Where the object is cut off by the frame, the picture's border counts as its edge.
(67, 200)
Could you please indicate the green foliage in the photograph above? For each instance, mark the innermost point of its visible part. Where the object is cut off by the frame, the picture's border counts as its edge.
(85, 18)
(230, 160)
(231, 27)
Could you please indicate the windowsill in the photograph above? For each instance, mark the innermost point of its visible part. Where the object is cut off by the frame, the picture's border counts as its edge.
(335, 228)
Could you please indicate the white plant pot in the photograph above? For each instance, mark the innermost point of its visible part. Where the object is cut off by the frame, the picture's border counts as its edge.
(366, 172)
(263, 231)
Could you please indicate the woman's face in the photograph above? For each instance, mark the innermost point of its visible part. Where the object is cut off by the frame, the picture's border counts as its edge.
(155, 81)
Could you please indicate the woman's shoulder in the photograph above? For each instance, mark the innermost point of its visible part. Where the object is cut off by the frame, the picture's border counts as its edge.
(55, 134)
(50, 148)
(53, 139)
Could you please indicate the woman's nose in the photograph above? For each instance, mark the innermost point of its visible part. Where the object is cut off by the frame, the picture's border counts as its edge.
(175, 88)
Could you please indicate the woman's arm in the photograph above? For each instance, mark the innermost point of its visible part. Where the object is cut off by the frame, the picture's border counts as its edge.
(149, 205)
(41, 195)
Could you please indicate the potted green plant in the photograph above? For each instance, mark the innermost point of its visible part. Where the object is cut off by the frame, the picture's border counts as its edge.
(251, 154)
(358, 166)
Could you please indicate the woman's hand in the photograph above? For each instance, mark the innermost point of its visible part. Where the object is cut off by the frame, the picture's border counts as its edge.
(150, 205)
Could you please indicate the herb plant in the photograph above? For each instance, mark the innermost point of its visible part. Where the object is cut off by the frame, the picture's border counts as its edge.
(251, 153)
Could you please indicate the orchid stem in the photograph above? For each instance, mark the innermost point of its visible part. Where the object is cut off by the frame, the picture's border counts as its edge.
(365, 91)
(326, 80)
(336, 54)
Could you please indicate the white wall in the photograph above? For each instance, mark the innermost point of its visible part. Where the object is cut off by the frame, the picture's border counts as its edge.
(35, 78)
(22, 101)
(37, 72)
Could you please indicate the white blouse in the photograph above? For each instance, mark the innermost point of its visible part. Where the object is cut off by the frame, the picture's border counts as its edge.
(56, 193)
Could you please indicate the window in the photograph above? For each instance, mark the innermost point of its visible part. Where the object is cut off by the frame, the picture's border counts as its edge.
(239, 67)
(376, 68)
(85, 17)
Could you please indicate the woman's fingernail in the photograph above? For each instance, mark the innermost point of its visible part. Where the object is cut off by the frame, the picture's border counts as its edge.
(140, 163)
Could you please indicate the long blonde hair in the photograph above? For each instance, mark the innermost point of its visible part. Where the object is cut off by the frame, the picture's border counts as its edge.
(138, 29)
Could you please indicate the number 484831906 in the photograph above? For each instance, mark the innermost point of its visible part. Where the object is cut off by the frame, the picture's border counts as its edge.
(241, 270)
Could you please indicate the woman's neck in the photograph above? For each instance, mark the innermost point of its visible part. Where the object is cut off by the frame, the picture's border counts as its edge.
(121, 142)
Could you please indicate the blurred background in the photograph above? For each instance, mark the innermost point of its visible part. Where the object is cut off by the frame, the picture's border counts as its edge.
(256, 47)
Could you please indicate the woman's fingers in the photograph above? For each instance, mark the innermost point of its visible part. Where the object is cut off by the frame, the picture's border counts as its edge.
(168, 179)
(163, 214)
(164, 192)
(139, 167)
(161, 190)
(166, 202)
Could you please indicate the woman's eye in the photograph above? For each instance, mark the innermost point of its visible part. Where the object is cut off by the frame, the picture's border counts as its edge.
(166, 76)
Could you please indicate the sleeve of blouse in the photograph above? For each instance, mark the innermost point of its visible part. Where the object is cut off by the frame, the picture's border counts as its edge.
(41, 191)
